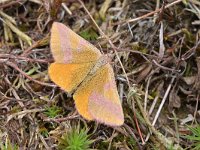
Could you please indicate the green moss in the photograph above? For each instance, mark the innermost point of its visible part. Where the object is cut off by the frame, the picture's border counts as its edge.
(75, 140)
(8, 146)
(89, 34)
(194, 137)
(52, 111)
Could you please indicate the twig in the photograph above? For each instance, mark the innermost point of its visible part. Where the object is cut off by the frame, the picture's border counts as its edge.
(195, 2)
(138, 128)
(9, 4)
(8, 17)
(162, 46)
(163, 100)
(151, 13)
(163, 67)
(133, 135)
(15, 94)
(196, 108)
(42, 41)
(66, 9)
(22, 35)
(37, 1)
(23, 73)
(23, 112)
(153, 104)
(161, 105)
(146, 94)
(8, 56)
(104, 8)
(157, 7)
(44, 142)
(58, 120)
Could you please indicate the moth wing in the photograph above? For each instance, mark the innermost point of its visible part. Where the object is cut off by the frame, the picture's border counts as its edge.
(69, 47)
(98, 98)
(68, 76)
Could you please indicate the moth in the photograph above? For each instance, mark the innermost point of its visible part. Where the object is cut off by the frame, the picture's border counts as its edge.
(80, 69)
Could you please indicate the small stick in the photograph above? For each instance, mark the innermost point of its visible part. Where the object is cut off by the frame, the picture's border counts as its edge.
(133, 135)
(151, 13)
(138, 128)
(23, 112)
(161, 106)
(8, 56)
(58, 120)
(146, 94)
(153, 104)
(23, 73)
(163, 67)
(162, 46)
(157, 7)
(66, 9)
(163, 100)
(22, 35)
(9, 4)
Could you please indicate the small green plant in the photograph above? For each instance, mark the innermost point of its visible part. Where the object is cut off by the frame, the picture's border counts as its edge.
(89, 34)
(131, 142)
(52, 111)
(195, 137)
(44, 132)
(9, 146)
(75, 140)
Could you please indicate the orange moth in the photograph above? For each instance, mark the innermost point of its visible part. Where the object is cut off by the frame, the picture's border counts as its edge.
(81, 69)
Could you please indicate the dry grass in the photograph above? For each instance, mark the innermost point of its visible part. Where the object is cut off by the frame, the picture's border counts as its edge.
(157, 67)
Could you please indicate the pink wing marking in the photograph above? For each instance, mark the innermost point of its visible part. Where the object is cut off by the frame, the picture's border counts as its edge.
(109, 107)
(65, 43)
(81, 44)
(109, 85)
